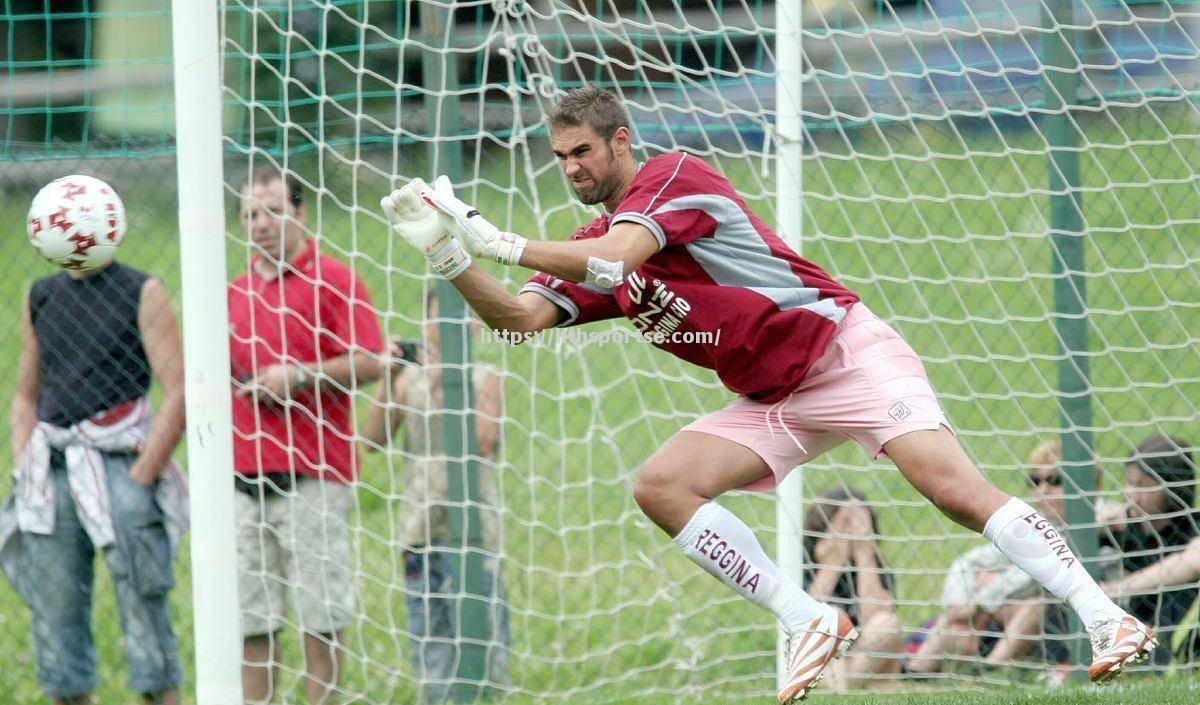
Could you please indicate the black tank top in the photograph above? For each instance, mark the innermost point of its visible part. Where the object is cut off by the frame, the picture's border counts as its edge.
(90, 348)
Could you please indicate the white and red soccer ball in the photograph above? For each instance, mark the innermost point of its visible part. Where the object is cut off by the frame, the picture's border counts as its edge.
(77, 222)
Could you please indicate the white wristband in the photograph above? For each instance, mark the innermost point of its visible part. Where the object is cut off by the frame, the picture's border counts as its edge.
(604, 273)
(300, 377)
(509, 248)
(450, 259)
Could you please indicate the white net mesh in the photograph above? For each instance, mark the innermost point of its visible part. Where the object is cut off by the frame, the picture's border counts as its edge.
(926, 162)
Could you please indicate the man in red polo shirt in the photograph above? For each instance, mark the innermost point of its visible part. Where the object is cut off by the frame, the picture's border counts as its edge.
(302, 333)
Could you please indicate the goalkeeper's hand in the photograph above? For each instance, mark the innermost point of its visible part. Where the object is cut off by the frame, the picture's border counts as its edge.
(419, 224)
(481, 237)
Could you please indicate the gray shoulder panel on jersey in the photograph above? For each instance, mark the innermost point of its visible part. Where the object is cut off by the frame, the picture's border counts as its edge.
(643, 220)
(563, 302)
(736, 255)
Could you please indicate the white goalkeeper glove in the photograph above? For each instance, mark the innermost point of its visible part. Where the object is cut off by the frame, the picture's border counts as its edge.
(481, 237)
(420, 226)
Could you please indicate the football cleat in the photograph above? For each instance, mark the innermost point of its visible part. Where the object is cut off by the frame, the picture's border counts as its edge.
(1117, 643)
(811, 649)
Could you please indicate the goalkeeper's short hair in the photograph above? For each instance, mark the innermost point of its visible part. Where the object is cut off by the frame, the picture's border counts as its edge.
(590, 105)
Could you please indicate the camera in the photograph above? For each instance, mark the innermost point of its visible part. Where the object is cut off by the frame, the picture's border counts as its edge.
(410, 350)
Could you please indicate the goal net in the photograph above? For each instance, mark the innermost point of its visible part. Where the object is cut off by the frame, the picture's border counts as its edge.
(956, 160)
(1011, 185)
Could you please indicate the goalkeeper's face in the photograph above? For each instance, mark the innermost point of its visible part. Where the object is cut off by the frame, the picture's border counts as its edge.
(590, 163)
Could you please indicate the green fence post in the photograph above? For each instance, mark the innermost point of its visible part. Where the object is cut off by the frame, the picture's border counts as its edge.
(472, 617)
(1067, 241)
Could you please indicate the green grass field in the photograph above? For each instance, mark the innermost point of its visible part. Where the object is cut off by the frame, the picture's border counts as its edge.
(946, 242)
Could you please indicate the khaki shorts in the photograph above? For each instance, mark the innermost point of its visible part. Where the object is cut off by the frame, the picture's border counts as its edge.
(298, 543)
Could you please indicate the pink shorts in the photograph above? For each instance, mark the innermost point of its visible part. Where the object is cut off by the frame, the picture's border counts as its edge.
(868, 387)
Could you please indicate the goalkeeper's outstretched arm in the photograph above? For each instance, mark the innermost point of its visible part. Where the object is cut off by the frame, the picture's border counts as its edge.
(603, 260)
(623, 248)
(412, 217)
(500, 309)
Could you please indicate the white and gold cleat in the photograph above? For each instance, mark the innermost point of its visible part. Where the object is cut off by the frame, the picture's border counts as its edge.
(1117, 643)
(811, 649)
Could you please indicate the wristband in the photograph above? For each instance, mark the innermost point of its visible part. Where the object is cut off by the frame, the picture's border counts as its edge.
(603, 273)
(509, 248)
(301, 379)
(450, 259)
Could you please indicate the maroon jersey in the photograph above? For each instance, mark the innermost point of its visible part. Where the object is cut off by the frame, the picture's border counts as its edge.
(768, 313)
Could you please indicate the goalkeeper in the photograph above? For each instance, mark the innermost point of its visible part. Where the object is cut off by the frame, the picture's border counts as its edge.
(676, 250)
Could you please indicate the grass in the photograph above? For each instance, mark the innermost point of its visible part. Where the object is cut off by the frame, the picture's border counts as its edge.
(946, 241)
(1129, 693)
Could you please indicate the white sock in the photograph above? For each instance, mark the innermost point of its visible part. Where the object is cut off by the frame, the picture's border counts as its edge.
(724, 546)
(1031, 542)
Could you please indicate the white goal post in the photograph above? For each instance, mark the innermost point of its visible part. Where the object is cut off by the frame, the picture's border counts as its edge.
(218, 644)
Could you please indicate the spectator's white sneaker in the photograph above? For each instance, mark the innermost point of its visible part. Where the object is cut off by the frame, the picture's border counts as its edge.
(1117, 643)
(811, 649)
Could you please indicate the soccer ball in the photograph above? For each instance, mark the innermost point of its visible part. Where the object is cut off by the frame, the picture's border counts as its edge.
(77, 222)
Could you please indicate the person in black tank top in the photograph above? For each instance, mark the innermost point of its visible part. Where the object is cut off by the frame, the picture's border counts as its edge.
(89, 345)
(92, 340)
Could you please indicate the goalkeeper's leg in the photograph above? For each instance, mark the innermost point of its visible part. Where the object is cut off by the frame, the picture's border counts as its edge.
(676, 488)
(936, 465)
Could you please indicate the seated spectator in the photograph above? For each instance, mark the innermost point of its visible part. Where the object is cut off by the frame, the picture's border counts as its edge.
(843, 568)
(993, 609)
(1180, 569)
(1155, 522)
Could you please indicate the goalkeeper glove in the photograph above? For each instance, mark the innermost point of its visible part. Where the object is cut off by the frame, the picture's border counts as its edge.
(481, 237)
(419, 225)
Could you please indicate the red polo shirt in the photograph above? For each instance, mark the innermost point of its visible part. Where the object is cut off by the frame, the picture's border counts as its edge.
(317, 309)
